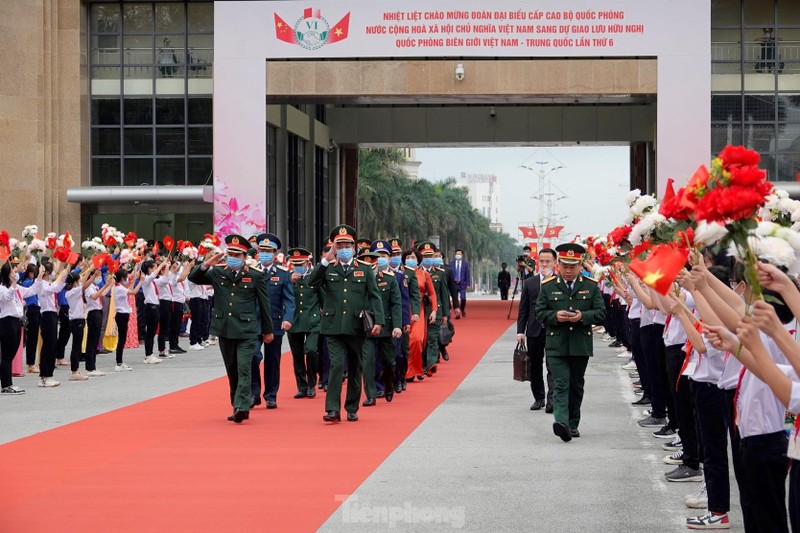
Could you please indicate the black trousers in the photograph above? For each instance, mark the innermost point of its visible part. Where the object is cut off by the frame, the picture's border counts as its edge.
(198, 317)
(121, 320)
(94, 321)
(401, 360)
(794, 495)
(709, 404)
(164, 321)
(175, 320)
(305, 359)
(673, 357)
(34, 314)
(140, 315)
(622, 325)
(76, 328)
(764, 462)
(745, 496)
(638, 356)
(504, 293)
(63, 331)
(608, 322)
(47, 357)
(656, 364)
(272, 369)
(10, 331)
(536, 355)
(151, 319)
(687, 424)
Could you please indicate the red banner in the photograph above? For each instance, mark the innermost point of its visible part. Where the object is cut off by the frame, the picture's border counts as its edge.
(552, 232)
(529, 232)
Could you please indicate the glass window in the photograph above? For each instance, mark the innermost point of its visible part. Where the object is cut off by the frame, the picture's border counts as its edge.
(789, 137)
(138, 171)
(137, 18)
(104, 50)
(105, 171)
(726, 45)
(107, 73)
(170, 171)
(138, 110)
(726, 107)
(201, 18)
(170, 141)
(170, 18)
(199, 171)
(759, 107)
(759, 13)
(105, 111)
(788, 167)
(788, 13)
(200, 141)
(789, 109)
(200, 111)
(105, 141)
(105, 18)
(759, 137)
(725, 134)
(138, 49)
(169, 111)
(200, 55)
(138, 141)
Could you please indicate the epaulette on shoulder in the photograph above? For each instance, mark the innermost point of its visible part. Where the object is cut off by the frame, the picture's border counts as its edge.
(591, 279)
(363, 263)
(551, 278)
(281, 267)
(388, 272)
(412, 269)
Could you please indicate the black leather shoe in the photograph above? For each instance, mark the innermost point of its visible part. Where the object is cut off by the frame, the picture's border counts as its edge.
(332, 416)
(398, 388)
(272, 404)
(320, 386)
(256, 401)
(445, 356)
(403, 385)
(300, 394)
(537, 405)
(380, 394)
(239, 416)
(615, 344)
(574, 432)
(389, 395)
(644, 400)
(369, 402)
(352, 417)
(464, 313)
(562, 431)
(548, 408)
(311, 393)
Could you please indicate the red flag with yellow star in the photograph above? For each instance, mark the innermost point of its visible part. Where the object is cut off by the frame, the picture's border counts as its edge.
(339, 31)
(660, 269)
(283, 31)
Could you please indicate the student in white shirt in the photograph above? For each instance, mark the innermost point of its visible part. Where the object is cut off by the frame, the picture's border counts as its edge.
(48, 302)
(75, 285)
(178, 292)
(123, 287)
(151, 307)
(11, 309)
(93, 295)
(166, 305)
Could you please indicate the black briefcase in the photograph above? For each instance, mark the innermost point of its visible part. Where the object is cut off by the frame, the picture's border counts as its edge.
(368, 320)
(522, 371)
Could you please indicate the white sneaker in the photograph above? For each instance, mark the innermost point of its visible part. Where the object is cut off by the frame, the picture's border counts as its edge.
(630, 365)
(674, 459)
(77, 376)
(150, 360)
(196, 347)
(698, 500)
(165, 355)
(95, 373)
(622, 349)
(12, 389)
(122, 367)
(49, 382)
(606, 338)
(212, 341)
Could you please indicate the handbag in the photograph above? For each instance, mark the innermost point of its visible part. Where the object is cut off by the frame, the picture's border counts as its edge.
(446, 333)
(368, 320)
(522, 370)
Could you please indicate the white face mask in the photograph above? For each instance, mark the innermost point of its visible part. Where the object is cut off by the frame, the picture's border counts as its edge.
(458, 257)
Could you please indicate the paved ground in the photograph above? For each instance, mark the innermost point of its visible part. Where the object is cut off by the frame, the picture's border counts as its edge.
(481, 462)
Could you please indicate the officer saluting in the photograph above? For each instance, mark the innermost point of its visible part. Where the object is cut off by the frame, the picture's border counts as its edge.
(348, 288)
(569, 304)
(239, 292)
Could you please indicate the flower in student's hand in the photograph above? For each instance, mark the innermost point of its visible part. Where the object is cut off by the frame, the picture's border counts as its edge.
(731, 203)
(709, 233)
(739, 155)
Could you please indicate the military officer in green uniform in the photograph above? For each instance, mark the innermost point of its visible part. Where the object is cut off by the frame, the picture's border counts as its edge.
(304, 335)
(384, 343)
(409, 291)
(569, 304)
(439, 278)
(348, 288)
(240, 296)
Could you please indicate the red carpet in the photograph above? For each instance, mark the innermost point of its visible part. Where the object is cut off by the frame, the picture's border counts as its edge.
(174, 463)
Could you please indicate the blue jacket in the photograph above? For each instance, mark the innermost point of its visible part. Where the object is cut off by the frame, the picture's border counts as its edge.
(462, 278)
(281, 296)
(400, 276)
(27, 282)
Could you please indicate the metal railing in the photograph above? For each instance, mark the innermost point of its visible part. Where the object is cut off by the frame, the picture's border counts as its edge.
(139, 62)
(766, 57)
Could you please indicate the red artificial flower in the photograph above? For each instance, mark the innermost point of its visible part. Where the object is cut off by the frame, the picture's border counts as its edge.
(130, 239)
(182, 245)
(51, 243)
(201, 250)
(739, 155)
(747, 176)
(110, 240)
(676, 207)
(604, 258)
(619, 234)
(61, 253)
(641, 248)
(732, 203)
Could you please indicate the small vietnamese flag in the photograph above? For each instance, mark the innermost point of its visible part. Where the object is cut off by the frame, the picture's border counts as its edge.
(68, 242)
(669, 194)
(283, 31)
(660, 269)
(99, 260)
(340, 30)
(73, 258)
(130, 239)
(201, 250)
(155, 248)
(169, 243)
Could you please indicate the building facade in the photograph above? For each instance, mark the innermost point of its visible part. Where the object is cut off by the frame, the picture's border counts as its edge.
(484, 194)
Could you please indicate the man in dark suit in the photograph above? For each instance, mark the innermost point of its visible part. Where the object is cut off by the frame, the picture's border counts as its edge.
(504, 281)
(240, 296)
(528, 327)
(461, 275)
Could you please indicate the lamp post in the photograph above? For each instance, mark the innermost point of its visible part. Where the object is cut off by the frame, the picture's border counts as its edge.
(545, 197)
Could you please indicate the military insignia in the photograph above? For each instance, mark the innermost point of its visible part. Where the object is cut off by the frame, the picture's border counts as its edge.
(383, 283)
(427, 246)
(296, 253)
(247, 280)
(342, 231)
(405, 282)
(395, 244)
(556, 293)
(583, 292)
(275, 278)
(551, 278)
(359, 273)
(570, 253)
(235, 240)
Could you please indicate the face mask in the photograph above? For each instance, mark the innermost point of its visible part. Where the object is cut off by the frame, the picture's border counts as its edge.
(437, 261)
(345, 254)
(411, 263)
(266, 258)
(383, 262)
(234, 262)
(427, 262)
(52, 276)
(301, 269)
(458, 257)
(395, 261)
(98, 282)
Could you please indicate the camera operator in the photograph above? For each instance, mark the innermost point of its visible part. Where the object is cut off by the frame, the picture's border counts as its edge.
(526, 266)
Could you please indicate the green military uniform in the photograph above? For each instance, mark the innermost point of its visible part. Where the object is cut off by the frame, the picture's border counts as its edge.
(347, 291)
(384, 343)
(569, 345)
(304, 335)
(241, 314)
(439, 279)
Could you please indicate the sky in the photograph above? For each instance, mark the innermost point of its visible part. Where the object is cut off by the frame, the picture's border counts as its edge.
(594, 178)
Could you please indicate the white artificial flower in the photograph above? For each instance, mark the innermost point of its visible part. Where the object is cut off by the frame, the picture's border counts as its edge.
(644, 228)
(38, 245)
(190, 252)
(709, 233)
(774, 250)
(632, 196)
(125, 256)
(643, 204)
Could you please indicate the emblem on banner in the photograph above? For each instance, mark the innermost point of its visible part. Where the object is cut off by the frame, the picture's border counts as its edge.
(312, 31)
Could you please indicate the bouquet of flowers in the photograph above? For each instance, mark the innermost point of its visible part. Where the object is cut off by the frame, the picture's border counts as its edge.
(52, 241)
(36, 248)
(30, 232)
(92, 247)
